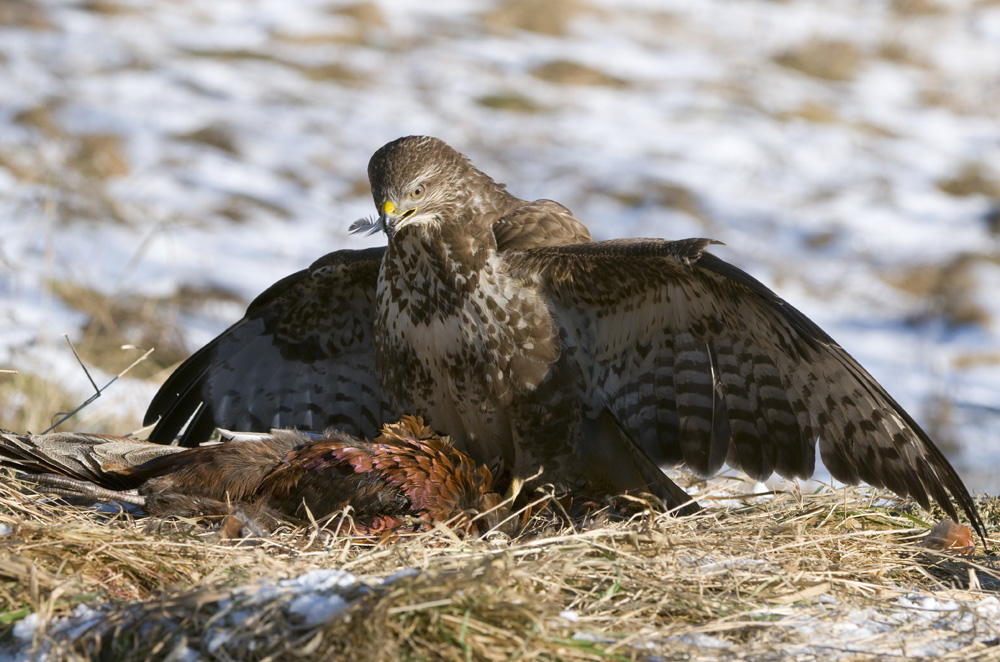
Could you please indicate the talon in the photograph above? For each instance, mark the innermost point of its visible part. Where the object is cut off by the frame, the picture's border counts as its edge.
(514, 490)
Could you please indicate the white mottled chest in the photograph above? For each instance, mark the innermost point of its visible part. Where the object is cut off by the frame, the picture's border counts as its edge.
(469, 329)
(441, 314)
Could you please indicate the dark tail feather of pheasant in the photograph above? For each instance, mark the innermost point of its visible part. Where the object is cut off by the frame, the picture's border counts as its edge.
(104, 460)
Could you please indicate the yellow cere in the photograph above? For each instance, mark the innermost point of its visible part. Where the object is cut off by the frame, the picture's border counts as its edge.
(388, 207)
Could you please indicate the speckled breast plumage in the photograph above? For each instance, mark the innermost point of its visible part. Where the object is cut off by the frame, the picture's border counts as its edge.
(458, 345)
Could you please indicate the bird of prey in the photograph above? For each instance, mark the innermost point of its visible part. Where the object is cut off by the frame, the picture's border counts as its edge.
(404, 480)
(593, 363)
(303, 355)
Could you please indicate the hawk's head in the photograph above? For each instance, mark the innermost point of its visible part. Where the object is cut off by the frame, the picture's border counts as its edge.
(421, 180)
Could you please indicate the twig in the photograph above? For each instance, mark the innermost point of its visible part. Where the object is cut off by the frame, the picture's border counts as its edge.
(97, 391)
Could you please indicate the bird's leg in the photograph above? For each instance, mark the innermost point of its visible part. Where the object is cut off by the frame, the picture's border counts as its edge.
(513, 490)
(624, 468)
(517, 485)
(65, 486)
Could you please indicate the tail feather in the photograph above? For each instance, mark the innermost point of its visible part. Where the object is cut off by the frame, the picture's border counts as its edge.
(103, 460)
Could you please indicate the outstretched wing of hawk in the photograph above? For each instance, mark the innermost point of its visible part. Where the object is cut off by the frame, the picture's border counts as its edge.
(302, 356)
(752, 380)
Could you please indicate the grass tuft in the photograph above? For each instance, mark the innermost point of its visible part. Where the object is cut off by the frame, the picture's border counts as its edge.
(595, 590)
(828, 60)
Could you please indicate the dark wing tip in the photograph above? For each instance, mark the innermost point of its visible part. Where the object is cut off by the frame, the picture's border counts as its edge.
(180, 405)
(937, 481)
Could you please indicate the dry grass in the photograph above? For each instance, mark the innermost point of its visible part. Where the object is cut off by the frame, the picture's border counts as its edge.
(511, 101)
(133, 322)
(829, 60)
(551, 17)
(99, 156)
(894, 50)
(217, 135)
(17, 13)
(973, 179)
(946, 291)
(916, 7)
(24, 397)
(567, 72)
(739, 574)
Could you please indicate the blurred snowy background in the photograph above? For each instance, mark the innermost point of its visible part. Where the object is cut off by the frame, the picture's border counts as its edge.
(161, 163)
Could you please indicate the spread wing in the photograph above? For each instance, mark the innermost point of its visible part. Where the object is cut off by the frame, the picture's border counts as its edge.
(700, 363)
(301, 357)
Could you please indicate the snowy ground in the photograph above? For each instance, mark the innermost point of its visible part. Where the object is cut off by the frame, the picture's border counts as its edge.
(847, 153)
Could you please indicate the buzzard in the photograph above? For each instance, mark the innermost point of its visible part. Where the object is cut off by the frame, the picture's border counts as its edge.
(303, 355)
(407, 478)
(586, 365)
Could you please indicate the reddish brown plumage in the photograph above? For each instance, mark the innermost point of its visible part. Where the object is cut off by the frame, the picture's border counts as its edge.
(947, 536)
(406, 479)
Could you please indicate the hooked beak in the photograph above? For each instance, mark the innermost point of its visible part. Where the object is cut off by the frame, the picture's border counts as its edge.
(392, 219)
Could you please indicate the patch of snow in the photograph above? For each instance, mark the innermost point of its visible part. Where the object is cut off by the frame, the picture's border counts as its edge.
(217, 640)
(895, 631)
(24, 629)
(593, 638)
(316, 609)
(83, 618)
(70, 627)
(701, 640)
(402, 573)
(315, 602)
(906, 627)
(184, 654)
(320, 580)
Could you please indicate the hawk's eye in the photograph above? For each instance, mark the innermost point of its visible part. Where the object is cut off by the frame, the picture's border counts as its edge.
(418, 192)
